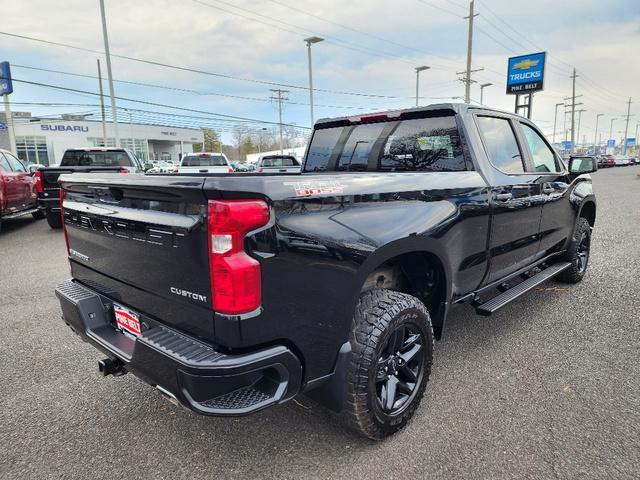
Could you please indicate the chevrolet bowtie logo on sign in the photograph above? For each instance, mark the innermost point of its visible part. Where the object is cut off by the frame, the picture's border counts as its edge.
(525, 74)
(526, 64)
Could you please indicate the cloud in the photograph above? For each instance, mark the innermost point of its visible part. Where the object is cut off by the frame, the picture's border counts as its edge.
(600, 38)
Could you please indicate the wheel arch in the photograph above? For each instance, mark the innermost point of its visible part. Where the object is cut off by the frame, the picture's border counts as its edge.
(413, 266)
(588, 211)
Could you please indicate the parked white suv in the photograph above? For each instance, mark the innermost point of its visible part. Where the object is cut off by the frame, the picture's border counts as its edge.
(204, 162)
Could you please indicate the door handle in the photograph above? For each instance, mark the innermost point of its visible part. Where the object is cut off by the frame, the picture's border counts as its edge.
(504, 197)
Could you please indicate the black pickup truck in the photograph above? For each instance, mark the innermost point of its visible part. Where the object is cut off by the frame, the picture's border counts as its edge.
(231, 293)
(86, 160)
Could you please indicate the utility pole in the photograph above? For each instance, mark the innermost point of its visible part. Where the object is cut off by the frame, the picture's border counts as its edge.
(482, 87)
(579, 120)
(595, 137)
(309, 41)
(104, 125)
(114, 111)
(418, 70)
(467, 78)
(626, 128)
(9, 117)
(555, 118)
(280, 96)
(573, 109)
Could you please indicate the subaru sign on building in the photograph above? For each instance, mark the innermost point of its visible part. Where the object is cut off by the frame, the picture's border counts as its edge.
(525, 74)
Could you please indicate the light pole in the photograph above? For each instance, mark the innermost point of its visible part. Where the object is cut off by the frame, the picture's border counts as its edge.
(555, 118)
(309, 41)
(611, 127)
(579, 120)
(595, 137)
(114, 111)
(418, 70)
(482, 87)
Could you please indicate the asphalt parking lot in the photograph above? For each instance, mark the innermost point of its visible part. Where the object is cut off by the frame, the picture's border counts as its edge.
(547, 388)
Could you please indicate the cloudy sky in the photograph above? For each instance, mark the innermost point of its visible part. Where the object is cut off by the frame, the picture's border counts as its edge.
(366, 62)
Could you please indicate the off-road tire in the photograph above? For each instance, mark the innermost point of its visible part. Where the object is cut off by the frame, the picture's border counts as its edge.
(575, 273)
(54, 220)
(378, 314)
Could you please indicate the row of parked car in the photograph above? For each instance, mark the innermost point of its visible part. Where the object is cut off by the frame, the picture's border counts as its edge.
(607, 161)
(210, 162)
(34, 190)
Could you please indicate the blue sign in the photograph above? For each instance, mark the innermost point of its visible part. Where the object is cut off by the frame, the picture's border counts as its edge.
(611, 143)
(6, 85)
(631, 142)
(566, 145)
(525, 73)
(3, 126)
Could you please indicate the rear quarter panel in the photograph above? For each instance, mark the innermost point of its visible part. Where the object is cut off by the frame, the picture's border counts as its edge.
(330, 231)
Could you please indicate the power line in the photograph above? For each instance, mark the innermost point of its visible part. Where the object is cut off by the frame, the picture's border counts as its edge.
(84, 92)
(355, 30)
(333, 40)
(177, 89)
(204, 72)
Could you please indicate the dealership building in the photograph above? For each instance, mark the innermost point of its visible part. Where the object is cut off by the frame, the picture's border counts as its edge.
(40, 140)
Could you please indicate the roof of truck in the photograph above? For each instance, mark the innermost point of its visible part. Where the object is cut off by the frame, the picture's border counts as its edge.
(393, 114)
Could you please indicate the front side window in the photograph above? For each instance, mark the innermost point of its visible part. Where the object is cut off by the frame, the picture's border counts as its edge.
(500, 142)
(543, 158)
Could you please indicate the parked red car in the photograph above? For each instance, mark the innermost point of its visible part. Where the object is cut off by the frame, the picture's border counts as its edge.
(17, 189)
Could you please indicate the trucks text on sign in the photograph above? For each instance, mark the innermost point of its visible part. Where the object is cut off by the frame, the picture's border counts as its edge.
(525, 73)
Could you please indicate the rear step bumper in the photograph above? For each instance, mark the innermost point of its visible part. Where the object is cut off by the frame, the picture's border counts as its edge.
(192, 372)
(50, 202)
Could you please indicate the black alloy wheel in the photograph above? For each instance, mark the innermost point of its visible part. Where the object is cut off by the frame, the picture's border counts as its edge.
(583, 252)
(400, 369)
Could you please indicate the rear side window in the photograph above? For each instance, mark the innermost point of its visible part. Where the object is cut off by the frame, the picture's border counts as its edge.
(543, 158)
(417, 145)
(76, 158)
(204, 161)
(16, 164)
(4, 164)
(501, 144)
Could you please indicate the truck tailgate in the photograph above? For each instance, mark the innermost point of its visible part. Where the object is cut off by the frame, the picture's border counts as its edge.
(142, 241)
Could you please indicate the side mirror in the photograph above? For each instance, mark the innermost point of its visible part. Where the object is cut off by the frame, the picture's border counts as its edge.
(33, 167)
(579, 165)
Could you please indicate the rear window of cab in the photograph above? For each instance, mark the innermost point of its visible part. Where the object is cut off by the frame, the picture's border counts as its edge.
(82, 158)
(414, 145)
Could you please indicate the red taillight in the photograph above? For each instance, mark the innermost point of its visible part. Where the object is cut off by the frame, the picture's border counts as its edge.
(64, 227)
(260, 170)
(236, 285)
(231, 170)
(124, 170)
(175, 170)
(37, 178)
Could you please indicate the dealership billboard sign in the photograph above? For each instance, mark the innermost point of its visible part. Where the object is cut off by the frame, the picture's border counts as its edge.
(6, 85)
(525, 74)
